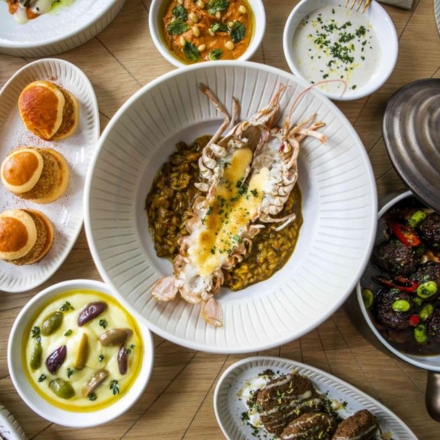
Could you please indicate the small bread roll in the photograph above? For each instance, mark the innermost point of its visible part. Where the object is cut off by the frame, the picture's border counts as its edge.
(26, 235)
(40, 175)
(48, 110)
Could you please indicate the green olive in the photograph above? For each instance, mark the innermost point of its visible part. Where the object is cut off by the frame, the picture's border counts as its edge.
(95, 380)
(62, 388)
(115, 336)
(36, 356)
(82, 353)
(426, 311)
(401, 305)
(426, 290)
(420, 334)
(416, 218)
(368, 297)
(51, 323)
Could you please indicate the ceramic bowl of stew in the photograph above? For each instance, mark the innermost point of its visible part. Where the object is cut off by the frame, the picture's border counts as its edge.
(399, 292)
(188, 32)
(76, 357)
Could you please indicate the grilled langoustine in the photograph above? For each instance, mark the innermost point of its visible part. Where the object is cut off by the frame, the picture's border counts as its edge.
(245, 179)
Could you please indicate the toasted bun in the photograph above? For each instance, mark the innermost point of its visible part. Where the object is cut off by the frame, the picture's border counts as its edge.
(18, 234)
(48, 226)
(48, 111)
(26, 235)
(21, 170)
(70, 116)
(39, 175)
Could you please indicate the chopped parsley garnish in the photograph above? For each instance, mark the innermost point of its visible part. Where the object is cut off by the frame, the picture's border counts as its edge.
(103, 323)
(238, 31)
(42, 378)
(92, 397)
(66, 307)
(179, 12)
(69, 372)
(191, 52)
(114, 386)
(68, 332)
(214, 6)
(35, 332)
(130, 349)
(218, 26)
(101, 357)
(216, 54)
(177, 27)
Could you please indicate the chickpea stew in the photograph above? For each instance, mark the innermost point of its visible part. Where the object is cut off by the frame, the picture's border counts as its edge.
(208, 30)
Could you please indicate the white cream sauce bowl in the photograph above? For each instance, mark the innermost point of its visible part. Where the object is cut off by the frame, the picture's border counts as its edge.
(344, 53)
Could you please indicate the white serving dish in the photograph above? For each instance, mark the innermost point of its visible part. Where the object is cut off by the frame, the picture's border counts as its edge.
(59, 31)
(386, 36)
(229, 408)
(66, 213)
(9, 427)
(339, 206)
(41, 406)
(157, 11)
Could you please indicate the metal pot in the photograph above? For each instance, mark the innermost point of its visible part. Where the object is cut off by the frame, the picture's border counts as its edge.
(429, 363)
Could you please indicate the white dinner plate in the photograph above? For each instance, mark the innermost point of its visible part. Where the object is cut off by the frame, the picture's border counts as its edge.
(60, 30)
(9, 427)
(339, 209)
(229, 407)
(66, 213)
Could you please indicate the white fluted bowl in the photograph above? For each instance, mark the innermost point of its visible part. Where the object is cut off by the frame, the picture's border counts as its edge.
(339, 209)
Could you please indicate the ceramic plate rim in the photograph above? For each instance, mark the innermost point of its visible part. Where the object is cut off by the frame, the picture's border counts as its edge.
(94, 108)
(10, 423)
(95, 254)
(265, 360)
(17, 45)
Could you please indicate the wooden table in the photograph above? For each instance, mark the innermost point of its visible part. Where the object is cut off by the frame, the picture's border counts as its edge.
(121, 60)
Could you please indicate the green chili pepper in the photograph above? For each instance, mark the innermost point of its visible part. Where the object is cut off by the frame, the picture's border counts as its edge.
(426, 290)
(401, 305)
(416, 218)
(420, 334)
(368, 297)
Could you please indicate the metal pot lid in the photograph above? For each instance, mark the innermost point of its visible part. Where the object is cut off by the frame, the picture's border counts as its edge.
(411, 130)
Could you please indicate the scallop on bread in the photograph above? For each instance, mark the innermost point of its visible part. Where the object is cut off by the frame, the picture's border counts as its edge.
(40, 175)
(48, 110)
(26, 236)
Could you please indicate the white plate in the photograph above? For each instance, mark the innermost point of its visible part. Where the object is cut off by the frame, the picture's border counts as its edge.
(59, 31)
(339, 209)
(228, 407)
(66, 213)
(9, 428)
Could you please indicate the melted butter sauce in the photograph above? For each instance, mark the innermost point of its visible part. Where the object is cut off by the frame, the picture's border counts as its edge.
(336, 43)
(232, 208)
(99, 357)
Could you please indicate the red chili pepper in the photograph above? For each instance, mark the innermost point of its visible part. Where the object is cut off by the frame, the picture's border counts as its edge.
(401, 283)
(405, 234)
(414, 320)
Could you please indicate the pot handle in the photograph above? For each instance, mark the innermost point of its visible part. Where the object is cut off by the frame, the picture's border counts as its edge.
(432, 395)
